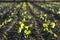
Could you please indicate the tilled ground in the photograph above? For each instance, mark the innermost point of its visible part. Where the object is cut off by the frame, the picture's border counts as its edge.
(41, 20)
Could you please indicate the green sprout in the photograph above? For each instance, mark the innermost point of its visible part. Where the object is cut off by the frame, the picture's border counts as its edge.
(58, 12)
(46, 29)
(52, 24)
(45, 25)
(27, 32)
(21, 27)
(55, 35)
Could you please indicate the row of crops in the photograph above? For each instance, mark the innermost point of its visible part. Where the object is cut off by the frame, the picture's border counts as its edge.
(29, 20)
